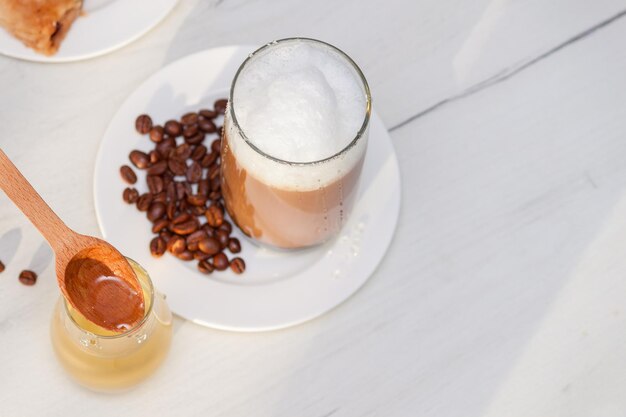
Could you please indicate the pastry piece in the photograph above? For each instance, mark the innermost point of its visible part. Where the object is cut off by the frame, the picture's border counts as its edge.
(39, 24)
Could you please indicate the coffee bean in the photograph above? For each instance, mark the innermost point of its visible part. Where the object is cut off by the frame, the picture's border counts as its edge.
(144, 201)
(198, 153)
(176, 244)
(170, 209)
(220, 261)
(157, 169)
(197, 200)
(207, 126)
(157, 247)
(204, 188)
(189, 118)
(190, 131)
(233, 245)
(205, 267)
(220, 105)
(196, 139)
(209, 114)
(226, 226)
(165, 146)
(143, 124)
(28, 277)
(208, 159)
(130, 195)
(140, 159)
(173, 128)
(196, 237)
(216, 145)
(156, 134)
(214, 215)
(223, 237)
(1, 267)
(237, 265)
(183, 151)
(155, 183)
(185, 228)
(177, 166)
(194, 172)
(209, 245)
(128, 174)
(156, 211)
(185, 255)
(160, 225)
(181, 218)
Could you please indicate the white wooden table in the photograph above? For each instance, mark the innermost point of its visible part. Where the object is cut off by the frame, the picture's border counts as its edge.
(503, 292)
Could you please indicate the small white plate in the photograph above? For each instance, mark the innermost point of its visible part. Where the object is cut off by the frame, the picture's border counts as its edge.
(106, 26)
(278, 289)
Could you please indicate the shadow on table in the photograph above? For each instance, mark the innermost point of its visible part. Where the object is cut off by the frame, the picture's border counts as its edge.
(42, 258)
(9, 243)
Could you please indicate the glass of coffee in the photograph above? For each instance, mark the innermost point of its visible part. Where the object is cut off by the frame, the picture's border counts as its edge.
(295, 136)
(106, 361)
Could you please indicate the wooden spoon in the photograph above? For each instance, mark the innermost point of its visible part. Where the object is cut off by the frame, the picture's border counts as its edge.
(93, 276)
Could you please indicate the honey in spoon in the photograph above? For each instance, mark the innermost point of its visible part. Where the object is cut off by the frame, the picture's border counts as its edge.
(103, 294)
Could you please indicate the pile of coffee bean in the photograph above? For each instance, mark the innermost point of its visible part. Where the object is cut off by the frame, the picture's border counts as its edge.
(184, 199)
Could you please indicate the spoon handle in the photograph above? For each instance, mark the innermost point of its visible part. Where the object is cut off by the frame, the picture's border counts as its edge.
(19, 190)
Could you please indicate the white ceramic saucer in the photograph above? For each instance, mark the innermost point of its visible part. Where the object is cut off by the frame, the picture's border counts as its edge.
(278, 289)
(106, 26)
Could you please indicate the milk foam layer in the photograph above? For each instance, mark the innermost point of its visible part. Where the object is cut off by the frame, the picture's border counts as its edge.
(298, 101)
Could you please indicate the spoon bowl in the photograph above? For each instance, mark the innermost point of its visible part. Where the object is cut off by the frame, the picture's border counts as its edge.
(94, 280)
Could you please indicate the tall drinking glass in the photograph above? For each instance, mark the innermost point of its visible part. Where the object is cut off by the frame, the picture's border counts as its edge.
(295, 136)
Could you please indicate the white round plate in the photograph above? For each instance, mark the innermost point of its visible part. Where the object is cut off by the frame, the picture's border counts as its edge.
(106, 26)
(278, 289)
